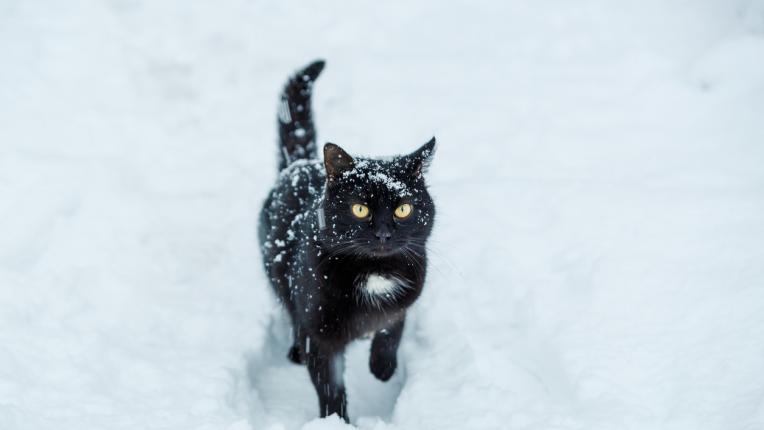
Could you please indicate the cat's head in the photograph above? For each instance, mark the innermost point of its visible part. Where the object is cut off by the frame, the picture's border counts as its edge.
(377, 207)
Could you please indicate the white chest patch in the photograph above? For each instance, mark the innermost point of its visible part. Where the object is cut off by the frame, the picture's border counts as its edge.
(379, 285)
(378, 290)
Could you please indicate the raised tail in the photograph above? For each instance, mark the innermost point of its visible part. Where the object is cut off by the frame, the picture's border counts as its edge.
(297, 134)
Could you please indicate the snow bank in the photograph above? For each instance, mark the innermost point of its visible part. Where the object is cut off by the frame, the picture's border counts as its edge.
(597, 260)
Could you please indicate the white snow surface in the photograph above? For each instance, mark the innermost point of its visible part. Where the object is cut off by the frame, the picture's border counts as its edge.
(597, 260)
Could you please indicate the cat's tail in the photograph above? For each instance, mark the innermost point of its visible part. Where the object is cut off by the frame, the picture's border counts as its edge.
(297, 135)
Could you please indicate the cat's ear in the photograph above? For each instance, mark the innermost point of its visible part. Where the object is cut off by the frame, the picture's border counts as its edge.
(418, 161)
(336, 161)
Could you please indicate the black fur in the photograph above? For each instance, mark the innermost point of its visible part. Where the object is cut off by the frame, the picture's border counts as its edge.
(319, 256)
(296, 131)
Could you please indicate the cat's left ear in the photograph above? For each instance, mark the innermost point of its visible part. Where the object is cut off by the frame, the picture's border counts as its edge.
(418, 161)
(336, 161)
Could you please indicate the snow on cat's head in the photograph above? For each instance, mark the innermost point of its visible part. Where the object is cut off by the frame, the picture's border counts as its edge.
(375, 206)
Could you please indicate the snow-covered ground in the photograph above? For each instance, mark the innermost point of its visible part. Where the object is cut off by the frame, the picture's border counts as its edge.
(598, 261)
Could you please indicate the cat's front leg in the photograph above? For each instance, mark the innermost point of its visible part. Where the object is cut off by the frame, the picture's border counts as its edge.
(326, 367)
(300, 344)
(384, 350)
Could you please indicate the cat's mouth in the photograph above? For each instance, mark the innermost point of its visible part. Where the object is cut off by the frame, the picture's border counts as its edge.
(383, 250)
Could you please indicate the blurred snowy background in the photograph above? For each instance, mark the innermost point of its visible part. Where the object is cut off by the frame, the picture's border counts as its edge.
(600, 182)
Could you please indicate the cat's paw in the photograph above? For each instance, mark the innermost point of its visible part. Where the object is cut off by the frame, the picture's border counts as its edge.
(383, 368)
(295, 355)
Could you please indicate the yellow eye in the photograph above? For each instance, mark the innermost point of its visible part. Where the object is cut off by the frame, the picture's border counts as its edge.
(360, 211)
(403, 211)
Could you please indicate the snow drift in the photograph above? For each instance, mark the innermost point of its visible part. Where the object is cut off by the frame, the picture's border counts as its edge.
(599, 186)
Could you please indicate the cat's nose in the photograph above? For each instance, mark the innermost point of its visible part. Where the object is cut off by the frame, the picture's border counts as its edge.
(383, 234)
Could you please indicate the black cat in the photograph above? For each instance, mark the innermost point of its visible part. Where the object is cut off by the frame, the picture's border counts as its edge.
(343, 243)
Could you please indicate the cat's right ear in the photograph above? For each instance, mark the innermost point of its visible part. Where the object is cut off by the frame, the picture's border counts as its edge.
(419, 160)
(336, 161)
